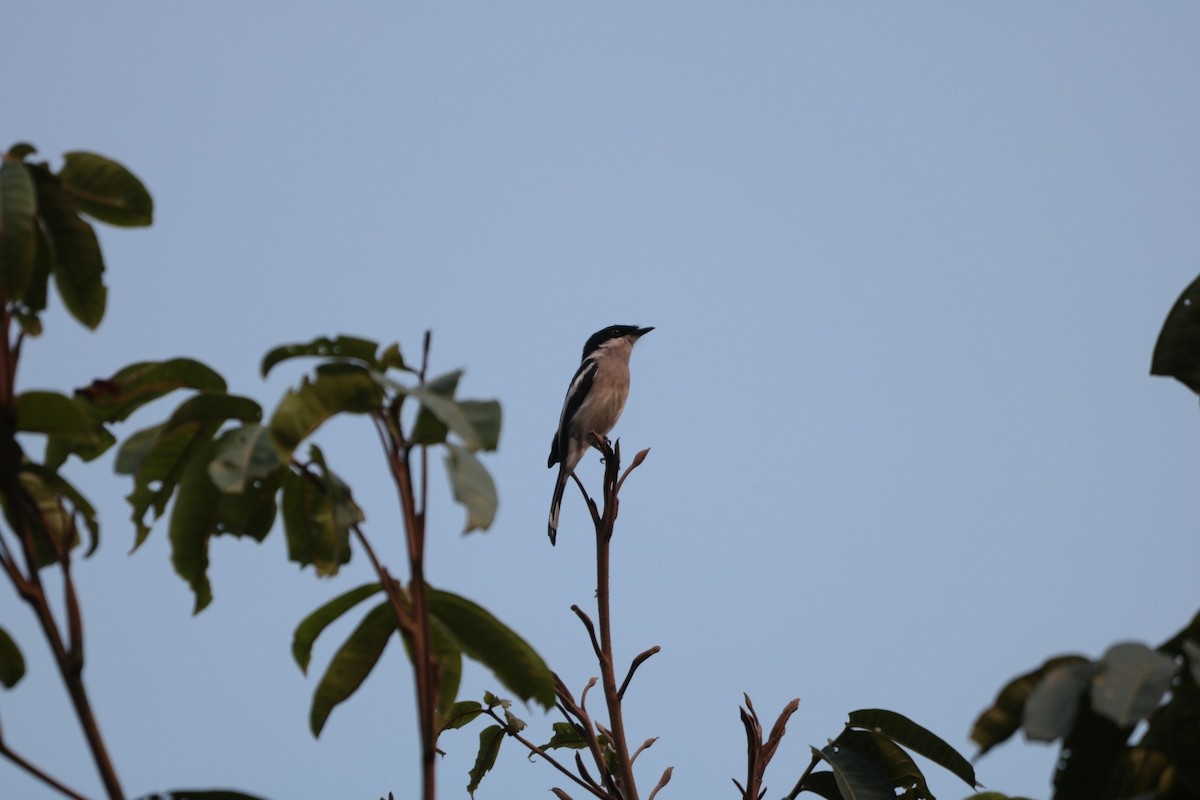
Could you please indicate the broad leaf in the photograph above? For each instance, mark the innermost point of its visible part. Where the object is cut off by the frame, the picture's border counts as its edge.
(342, 347)
(243, 455)
(193, 521)
(461, 714)
(916, 738)
(318, 513)
(18, 229)
(857, 777)
(104, 189)
(824, 784)
(1130, 681)
(902, 772)
(54, 414)
(490, 739)
(352, 663)
(12, 663)
(441, 414)
(1052, 705)
(114, 399)
(473, 488)
(484, 416)
(55, 484)
(488, 641)
(77, 263)
(337, 388)
(566, 734)
(1177, 352)
(315, 623)
(1003, 718)
(448, 653)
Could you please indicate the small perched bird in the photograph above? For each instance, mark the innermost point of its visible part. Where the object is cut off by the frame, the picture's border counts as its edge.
(595, 400)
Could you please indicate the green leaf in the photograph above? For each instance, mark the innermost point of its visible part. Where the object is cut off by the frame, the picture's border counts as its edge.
(243, 455)
(76, 263)
(54, 483)
(566, 734)
(106, 190)
(315, 623)
(902, 772)
(20, 150)
(250, 512)
(1177, 351)
(461, 714)
(12, 663)
(318, 513)
(337, 388)
(18, 228)
(352, 663)
(1052, 705)
(484, 416)
(857, 777)
(490, 739)
(342, 347)
(1130, 682)
(485, 639)
(824, 784)
(1000, 721)
(448, 653)
(473, 488)
(114, 399)
(193, 520)
(440, 414)
(916, 738)
(53, 528)
(391, 358)
(54, 414)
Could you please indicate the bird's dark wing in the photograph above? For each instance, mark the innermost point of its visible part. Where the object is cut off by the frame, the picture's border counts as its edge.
(581, 384)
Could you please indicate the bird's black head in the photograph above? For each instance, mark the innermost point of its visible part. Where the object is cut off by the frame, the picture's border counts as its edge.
(630, 332)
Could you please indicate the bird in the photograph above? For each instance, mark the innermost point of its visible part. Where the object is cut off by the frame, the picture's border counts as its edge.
(594, 402)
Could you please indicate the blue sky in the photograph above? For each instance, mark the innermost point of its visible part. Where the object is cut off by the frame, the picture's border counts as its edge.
(906, 264)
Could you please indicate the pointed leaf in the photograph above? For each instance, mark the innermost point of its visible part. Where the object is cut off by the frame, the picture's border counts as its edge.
(61, 488)
(916, 738)
(461, 714)
(473, 488)
(490, 739)
(243, 455)
(484, 416)
(18, 231)
(1130, 682)
(429, 428)
(337, 388)
(1177, 352)
(342, 347)
(193, 521)
(391, 357)
(902, 772)
(823, 784)
(114, 399)
(448, 653)
(1053, 703)
(857, 778)
(54, 414)
(352, 663)
(12, 663)
(106, 190)
(485, 639)
(566, 734)
(77, 263)
(315, 623)
(53, 528)
(1003, 718)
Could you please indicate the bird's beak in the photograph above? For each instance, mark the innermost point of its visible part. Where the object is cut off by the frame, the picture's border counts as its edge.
(643, 331)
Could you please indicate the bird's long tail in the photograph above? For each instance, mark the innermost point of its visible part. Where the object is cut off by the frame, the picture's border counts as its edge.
(556, 502)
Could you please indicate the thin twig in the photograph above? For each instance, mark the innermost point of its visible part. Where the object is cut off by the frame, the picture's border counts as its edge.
(591, 629)
(637, 662)
(533, 748)
(36, 772)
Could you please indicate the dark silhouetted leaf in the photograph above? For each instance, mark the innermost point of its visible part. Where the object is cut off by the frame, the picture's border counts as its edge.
(1090, 756)
(318, 513)
(18, 229)
(902, 772)
(488, 641)
(823, 784)
(449, 657)
(193, 521)
(1051, 707)
(1003, 718)
(106, 190)
(76, 261)
(916, 738)
(352, 663)
(315, 623)
(566, 734)
(473, 488)
(337, 388)
(490, 739)
(1129, 683)
(55, 484)
(857, 777)
(1177, 352)
(202, 794)
(341, 347)
(12, 663)
(243, 455)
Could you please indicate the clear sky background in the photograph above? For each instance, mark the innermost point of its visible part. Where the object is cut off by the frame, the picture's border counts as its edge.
(907, 264)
